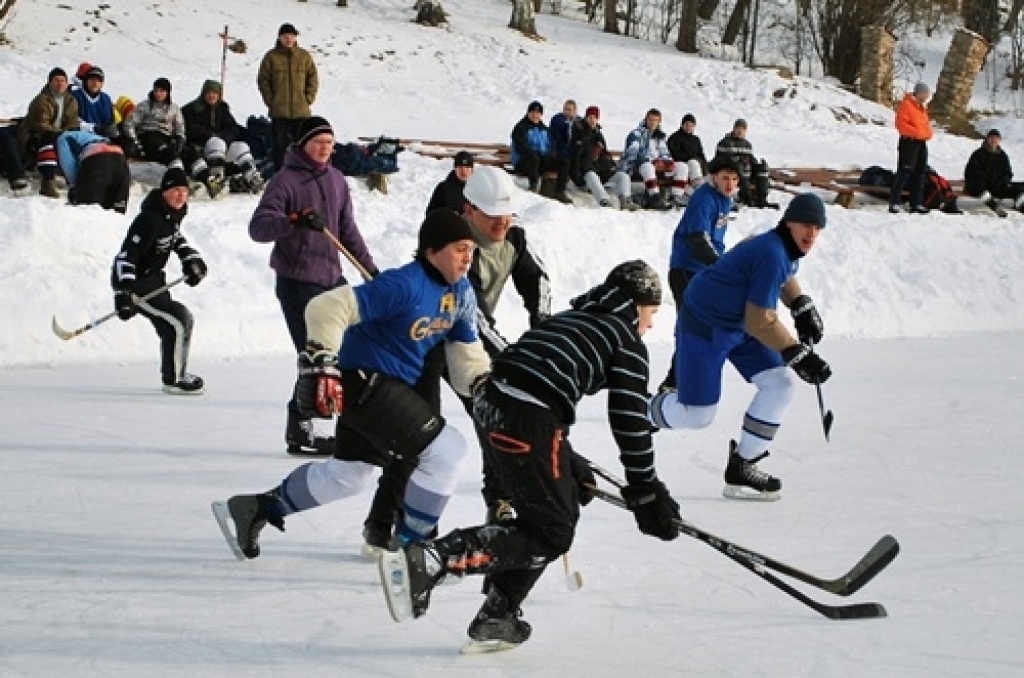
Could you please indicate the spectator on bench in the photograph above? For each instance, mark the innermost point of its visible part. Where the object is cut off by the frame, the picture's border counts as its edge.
(646, 153)
(449, 193)
(96, 170)
(989, 175)
(95, 108)
(10, 160)
(157, 128)
(912, 150)
(688, 152)
(531, 150)
(597, 167)
(565, 144)
(51, 112)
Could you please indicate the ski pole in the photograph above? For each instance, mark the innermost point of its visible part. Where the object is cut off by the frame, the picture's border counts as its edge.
(71, 334)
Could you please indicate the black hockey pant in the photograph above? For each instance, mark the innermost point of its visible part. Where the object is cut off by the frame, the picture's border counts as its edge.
(173, 324)
(103, 179)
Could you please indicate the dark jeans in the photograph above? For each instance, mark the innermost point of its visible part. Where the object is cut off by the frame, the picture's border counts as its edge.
(10, 158)
(911, 161)
(533, 165)
(285, 132)
(157, 147)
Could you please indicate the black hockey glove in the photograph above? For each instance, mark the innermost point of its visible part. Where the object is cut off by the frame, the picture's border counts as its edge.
(194, 269)
(655, 510)
(585, 479)
(131, 148)
(177, 144)
(809, 327)
(124, 304)
(108, 130)
(309, 218)
(318, 387)
(808, 365)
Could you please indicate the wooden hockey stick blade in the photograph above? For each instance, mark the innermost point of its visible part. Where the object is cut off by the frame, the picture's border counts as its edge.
(573, 578)
(71, 334)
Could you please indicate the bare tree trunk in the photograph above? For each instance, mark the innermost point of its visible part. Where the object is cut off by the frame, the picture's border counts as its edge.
(751, 59)
(687, 41)
(522, 18)
(1011, 19)
(611, 19)
(7, 6)
(706, 9)
(982, 17)
(538, 5)
(960, 68)
(877, 50)
(735, 25)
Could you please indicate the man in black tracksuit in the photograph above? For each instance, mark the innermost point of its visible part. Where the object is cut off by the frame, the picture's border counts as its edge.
(523, 412)
(139, 269)
(502, 253)
(989, 175)
(448, 193)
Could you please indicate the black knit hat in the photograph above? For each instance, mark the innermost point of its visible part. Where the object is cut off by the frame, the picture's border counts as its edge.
(993, 133)
(173, 178)
(286, 29)
(806, 208)
(638, 281)
(162, 83)
(723, 162)
(535, 106)
(311, 127)
(442, 226)
(55, 72)
(689, 118)
(94, 72)
(463, 159)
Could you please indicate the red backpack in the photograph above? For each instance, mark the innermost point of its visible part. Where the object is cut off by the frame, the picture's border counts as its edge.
(937, 191)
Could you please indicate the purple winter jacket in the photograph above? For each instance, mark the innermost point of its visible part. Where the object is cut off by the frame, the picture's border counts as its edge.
(300, 253)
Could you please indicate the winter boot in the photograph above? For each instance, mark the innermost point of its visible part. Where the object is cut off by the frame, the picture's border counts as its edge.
(656, 202)
(498, 621)
(19, 184)
(48, 188)
(215, 183)
(188, 384)
(251, 513)
(744, 480)
(302, 439)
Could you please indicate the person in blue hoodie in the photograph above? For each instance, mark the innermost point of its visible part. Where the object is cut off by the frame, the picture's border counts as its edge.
(531, 148)
(96, 170)
(729, 314)
(699, 238)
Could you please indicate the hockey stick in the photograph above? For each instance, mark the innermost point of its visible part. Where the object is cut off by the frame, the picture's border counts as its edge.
(573, 578)
(348, 255)
(758, 565)
(826, 415)
(67, 335)
(866, 569)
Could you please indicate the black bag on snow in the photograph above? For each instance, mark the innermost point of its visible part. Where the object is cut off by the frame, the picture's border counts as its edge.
(379, 157)
(876, 176)
(259, 134)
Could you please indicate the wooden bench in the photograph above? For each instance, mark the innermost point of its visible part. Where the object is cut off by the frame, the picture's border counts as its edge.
(844, 183)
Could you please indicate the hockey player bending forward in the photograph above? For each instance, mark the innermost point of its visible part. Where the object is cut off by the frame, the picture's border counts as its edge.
(729, 313)
(388, 324)
(523, 412)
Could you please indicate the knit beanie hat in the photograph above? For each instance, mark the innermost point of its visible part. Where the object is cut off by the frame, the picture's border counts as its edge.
(463, 159)
(441, 227)
(740, 122)
(638, 281)
(921, 88)
(593, 111)
(212, 86)
(806, 208)
(535, 106)
(689, 118)
(286, 29)
(993, 133)
(55, 72)
(124, 106)
(162, 83)
(174, 177)
(83, 68)
(312, 127)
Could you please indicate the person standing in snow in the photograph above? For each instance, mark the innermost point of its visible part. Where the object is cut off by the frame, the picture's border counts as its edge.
(699, 238)
(523, 413)
(373, 340)
(288, 82)
(307, 197)
(729, 313)
(139, 269)
(915, 130)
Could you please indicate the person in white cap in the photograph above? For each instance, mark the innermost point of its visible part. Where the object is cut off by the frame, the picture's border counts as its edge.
(502, 253)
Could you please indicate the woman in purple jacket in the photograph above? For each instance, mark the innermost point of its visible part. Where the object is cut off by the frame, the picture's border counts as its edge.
(306, 197)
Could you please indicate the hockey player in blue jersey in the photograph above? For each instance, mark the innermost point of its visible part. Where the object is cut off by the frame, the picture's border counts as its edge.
(729, 313)
(374, 338)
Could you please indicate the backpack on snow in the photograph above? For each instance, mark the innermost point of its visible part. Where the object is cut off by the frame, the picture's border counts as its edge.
(876, 176)
(937, 191)
(356, 160)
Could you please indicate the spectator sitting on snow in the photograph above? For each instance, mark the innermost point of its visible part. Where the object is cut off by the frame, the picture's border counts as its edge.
(597, 166)
(687, 150)
(95, 108)
(10, 160)
(989, 176)
(564, 131)
(157, 128)
(51, 112)
(531, 149)
(213, 153)
(647, 154)
(449, 193)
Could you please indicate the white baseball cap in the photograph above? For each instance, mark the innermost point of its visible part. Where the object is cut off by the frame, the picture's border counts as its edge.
(490, 190)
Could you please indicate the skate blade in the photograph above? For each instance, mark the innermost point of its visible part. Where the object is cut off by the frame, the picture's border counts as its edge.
(745, 493)
(171, 389)
(224, 520)
(394, 578)
(486, 646)
(370, 551)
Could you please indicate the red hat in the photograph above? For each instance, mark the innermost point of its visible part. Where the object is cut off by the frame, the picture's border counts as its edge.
(593, 111)
(83, 68)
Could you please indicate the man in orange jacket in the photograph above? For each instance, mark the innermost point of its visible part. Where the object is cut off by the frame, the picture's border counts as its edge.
(912, 152)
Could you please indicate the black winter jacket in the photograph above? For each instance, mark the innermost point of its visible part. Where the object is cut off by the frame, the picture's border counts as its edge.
(685, 147)
(987, 171)
(448, 194)
(203, 121)
(152, 236)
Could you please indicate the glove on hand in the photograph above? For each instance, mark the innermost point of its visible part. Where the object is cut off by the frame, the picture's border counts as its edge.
(309, 218)
(585, 479)
(194, 269)
(318, 387)
(654, 509)
(808, 365)
(124, 304)
(809, 327)
(177, 144)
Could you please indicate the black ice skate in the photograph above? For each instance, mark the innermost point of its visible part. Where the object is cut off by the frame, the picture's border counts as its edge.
(408, 575)
(744, 480)
(304, 442)
(497, 626)
(188, 384)
(249, 513)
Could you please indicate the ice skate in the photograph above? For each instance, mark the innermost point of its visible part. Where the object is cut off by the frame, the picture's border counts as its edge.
(248, 514)
(408, 575)
(188, 384)
(744, 480)
(496, 626)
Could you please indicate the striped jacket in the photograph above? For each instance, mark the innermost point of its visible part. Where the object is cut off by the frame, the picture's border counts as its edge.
(593, 346)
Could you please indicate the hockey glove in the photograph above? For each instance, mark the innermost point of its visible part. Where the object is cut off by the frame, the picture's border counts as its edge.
(318, 387)
(655, 510)
(194, 269)
(309, 218)
(585, 479)
(177, 144)
(808, 365)
(809, 327)
(124, 304)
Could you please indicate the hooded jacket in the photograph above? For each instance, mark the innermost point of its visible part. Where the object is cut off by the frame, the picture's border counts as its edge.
(912, 119)
(301, 253)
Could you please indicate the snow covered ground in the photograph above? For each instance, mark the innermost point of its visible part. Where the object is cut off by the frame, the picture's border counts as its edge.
(112, 565)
